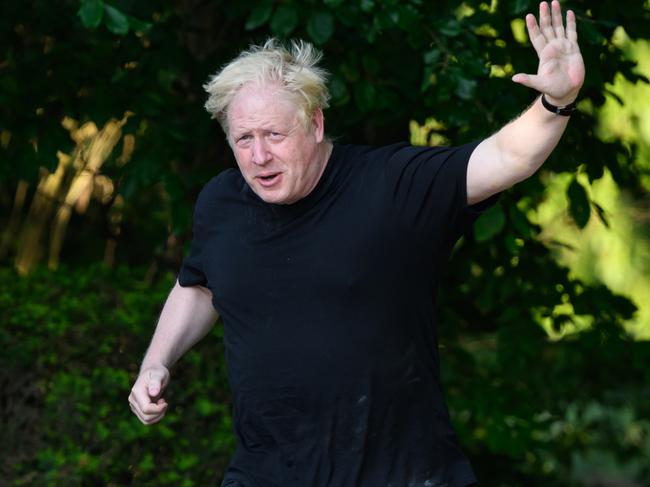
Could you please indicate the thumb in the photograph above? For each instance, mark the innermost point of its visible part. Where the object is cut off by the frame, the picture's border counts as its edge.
(155, 384)
(529, 80)
(153, 387)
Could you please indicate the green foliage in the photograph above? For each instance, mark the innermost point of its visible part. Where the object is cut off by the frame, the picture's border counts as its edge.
(320, 27)
(72, 341)
(91, 13)
(579, 203)
(509, 386)
(523, 405)
(489, 223)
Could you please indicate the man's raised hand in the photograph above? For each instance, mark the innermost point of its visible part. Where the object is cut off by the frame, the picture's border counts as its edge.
(561, 70)
(145, 398)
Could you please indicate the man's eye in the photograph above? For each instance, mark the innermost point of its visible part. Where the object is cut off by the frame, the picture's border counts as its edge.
(276, 135)
(244, 138)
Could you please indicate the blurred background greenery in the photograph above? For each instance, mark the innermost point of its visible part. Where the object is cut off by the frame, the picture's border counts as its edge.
(104, 145)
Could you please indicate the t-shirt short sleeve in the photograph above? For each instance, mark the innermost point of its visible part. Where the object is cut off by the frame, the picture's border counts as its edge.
(428, 187)
(191, 272)
(192, 269)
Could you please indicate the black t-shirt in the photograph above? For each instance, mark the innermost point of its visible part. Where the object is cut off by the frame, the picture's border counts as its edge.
(328, 312)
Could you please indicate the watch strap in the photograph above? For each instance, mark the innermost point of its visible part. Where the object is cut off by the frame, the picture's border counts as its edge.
(565, 111)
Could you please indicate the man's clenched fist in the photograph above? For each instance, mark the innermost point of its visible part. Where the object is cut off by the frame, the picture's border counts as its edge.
(146, 395)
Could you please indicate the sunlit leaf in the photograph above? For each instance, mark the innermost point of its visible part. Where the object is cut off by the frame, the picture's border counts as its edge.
(602, 214)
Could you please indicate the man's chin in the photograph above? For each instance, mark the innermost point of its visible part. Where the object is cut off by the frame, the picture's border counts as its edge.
(273, 196)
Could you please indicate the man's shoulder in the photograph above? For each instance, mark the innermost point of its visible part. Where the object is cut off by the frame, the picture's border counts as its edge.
(225, 182)
(225, 186)
(371, 152)
(397, 154)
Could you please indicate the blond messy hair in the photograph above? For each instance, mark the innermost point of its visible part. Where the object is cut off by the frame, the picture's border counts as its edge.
(295, 70)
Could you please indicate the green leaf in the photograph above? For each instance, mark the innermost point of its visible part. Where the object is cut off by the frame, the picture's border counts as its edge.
(320, 27)
(350, 71)
(339, 91)
(465, 88)
(451, 28)
(333, 3)
(489, 224)
(432, 56)
(579, 206)
(284, 20)
(91, 13)
(116, 21)
(259, 15)
(602, 214)
(520, 222)
(365, 94)
(408, 18)
(518, 7)
(367, 5)
(590, 33)
(138, 25)
(166, 78)
(370, 64)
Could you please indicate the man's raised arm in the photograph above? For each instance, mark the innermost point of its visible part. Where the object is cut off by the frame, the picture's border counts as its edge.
(187, 317)
(517, 150)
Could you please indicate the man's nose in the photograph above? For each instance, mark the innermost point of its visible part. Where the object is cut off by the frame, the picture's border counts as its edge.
(261, 154)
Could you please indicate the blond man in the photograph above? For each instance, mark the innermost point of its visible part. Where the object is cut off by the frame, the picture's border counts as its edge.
(323, 261)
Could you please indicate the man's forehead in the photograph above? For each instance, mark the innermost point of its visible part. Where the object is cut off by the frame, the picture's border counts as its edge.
(260, 92)
(258, 108)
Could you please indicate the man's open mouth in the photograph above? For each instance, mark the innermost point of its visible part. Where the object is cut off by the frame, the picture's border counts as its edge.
(269, 179)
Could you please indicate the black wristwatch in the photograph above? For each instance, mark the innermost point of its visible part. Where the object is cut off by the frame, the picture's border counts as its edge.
(565, 111)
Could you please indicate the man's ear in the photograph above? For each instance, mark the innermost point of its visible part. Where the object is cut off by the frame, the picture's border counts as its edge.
(318, 125)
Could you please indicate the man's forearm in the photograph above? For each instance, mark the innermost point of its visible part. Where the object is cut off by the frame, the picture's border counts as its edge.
(187, 317)
(515, 152)
(526, 142)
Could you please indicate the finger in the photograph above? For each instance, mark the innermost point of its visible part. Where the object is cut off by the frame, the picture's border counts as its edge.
(147, 418)
(149, 412)
(139, 398)
(136, 399)
(556, 11)
(571, 31)
(545, 21)
(145, 404)
(155, 408)
(137, 412)
(536, 37)
(529, 80)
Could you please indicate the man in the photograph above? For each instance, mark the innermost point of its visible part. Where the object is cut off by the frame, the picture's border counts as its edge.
(323, 262)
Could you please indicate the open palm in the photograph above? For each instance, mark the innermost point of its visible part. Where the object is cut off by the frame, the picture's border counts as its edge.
(561, 70)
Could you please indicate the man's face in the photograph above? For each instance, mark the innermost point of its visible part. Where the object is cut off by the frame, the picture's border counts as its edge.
(280, 160)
